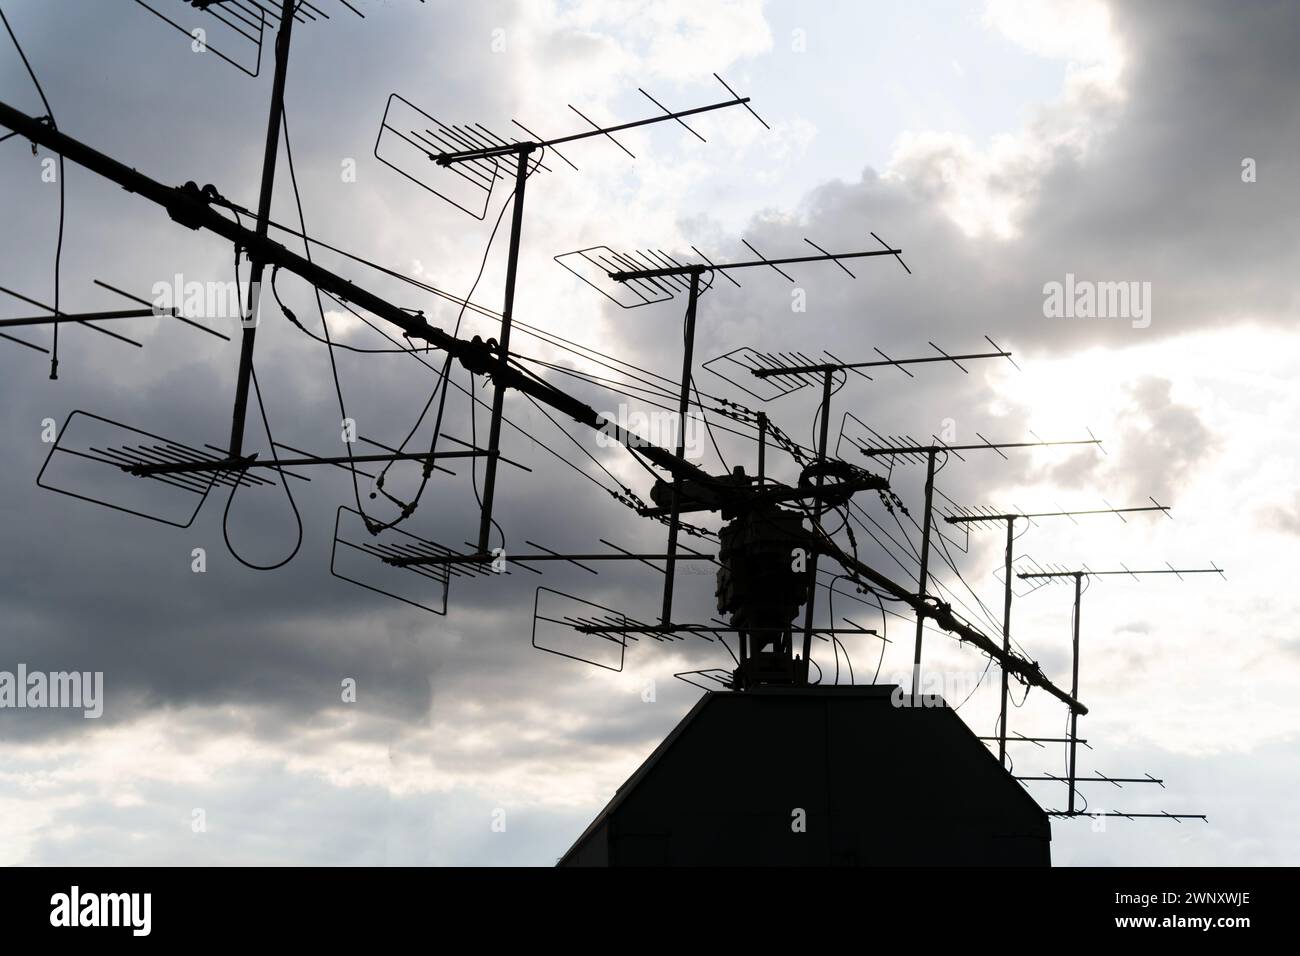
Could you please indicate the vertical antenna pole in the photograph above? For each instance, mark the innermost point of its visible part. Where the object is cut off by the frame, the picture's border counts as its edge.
(1074, 683)
(263, 225)
(923, 578)
(1006, 644)
(683, 407)
(762, 447)
(503, 346)
(828, 379)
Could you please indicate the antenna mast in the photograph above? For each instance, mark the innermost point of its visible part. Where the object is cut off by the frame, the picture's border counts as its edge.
(1010, 519)
(1078, 576)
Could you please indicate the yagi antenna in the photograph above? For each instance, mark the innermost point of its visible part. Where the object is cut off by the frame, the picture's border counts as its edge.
(88, 319)
(657, 277)
(785, 375)
(615, 628)
(185, 471)
(929, 453)
(360, 557)
(242, 24)
(474, 152)
(827, 372)
(503, 149)
(60, 317)
(649, 276)
(194, 208)
(1078, 575)
(985, 519)
(471, 186)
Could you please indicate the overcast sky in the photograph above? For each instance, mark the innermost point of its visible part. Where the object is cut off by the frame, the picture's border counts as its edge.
(1002, 146)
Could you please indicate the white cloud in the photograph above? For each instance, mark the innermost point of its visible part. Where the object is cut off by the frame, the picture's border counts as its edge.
(986, 188)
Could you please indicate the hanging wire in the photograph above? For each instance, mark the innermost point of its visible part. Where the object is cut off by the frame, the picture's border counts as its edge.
(58, 249)
(439, 391)
(225, 517)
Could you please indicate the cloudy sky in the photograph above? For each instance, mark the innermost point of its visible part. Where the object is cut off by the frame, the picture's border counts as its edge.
(1001, 145)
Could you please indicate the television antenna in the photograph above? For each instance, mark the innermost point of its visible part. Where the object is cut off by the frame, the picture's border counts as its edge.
(930, 453)
(662, 272)
(805, 373)
(1078, 576)
(193, 470)
(201, 210)
(791, 371)
(982, 519)
(478, 150)
(244, 23)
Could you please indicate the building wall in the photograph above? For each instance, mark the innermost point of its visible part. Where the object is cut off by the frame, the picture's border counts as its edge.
(873, 784)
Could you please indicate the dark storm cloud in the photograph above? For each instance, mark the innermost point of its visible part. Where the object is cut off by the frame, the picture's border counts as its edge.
(1159, 198)
(96, 589)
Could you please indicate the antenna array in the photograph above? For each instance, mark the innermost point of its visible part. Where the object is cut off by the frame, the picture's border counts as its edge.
(467, 165)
